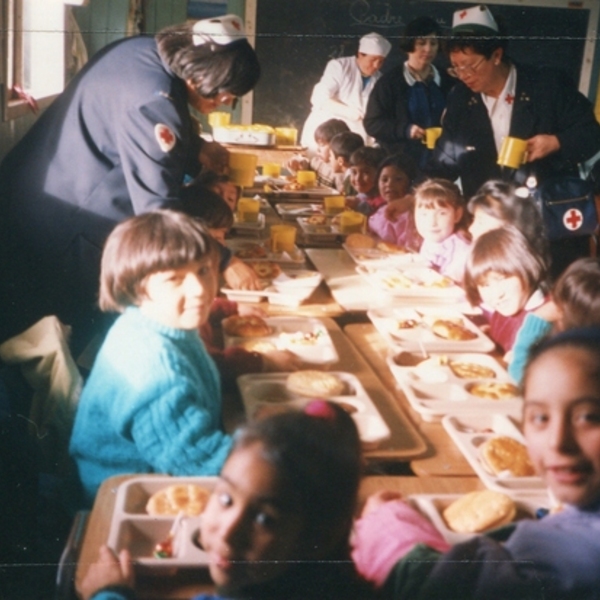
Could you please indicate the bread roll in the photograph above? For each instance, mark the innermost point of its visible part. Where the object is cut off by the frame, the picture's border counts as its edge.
(450, 330)
(493, 390)
(505, 454)
(360, 240)
(251, 326)
(479, 511)
(315, 383)
(467, 370)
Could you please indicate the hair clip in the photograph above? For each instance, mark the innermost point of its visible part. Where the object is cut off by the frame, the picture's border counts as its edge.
(221, 31)
(320, 409)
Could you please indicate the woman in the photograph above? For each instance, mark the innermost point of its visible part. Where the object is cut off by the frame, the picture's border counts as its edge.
(117, 142)
(412, 96)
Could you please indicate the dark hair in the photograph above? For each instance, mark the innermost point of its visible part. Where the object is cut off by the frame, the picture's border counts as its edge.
(417, 29)
(211, 68)
(206, 205)
(401, 161)
(345, 143)
(144, 244)
(445, 193)
(499, 199)
(325, 132)
(480, 43)
(319, 461)
(505, 251)
(577, 293)
(368, 155)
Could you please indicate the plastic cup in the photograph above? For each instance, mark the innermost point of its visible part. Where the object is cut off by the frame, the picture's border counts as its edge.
(271, 170)
(334, 204)
(513, 152)
(351, 222)
(307, 178)
(248, 210)
(242, 168)
(219, 119)
(283, 238)
(286, 136)
(431, 136)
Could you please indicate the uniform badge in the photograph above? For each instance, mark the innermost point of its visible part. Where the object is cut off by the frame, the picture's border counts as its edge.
(165, 137)
(573, 219)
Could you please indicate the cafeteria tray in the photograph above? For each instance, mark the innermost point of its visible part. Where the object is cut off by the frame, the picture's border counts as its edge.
(433, 505)
(294, 258)
(326, 232)
(249, 226)
(392, 323)
(306, 337)
(265, 392)
(133, 528)
(433, 389)
(469, 432)
(289, 210)
(376, 258)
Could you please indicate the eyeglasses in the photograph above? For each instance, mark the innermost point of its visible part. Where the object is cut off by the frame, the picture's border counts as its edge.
(460, 72)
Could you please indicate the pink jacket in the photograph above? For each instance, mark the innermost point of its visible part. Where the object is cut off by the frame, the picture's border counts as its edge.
(401, 232)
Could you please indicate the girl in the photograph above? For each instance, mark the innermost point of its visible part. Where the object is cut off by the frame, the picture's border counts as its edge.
(364, 163)
(395, 176)
(507, 277)
(556, 557)
(440, 220)
(278, 522)
(152, 402)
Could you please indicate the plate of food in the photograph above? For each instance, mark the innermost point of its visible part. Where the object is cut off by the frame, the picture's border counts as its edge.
(433, 329)
(306, 337)
(295, 210)
(455, 384)
(366, 250)
(495, 448)
(264, 394)
(261, 251)
(158, 519)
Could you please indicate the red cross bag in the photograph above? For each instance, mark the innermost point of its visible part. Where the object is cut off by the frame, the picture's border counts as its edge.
(568, 207)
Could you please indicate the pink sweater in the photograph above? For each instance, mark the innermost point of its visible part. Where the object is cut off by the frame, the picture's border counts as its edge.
(401, 232)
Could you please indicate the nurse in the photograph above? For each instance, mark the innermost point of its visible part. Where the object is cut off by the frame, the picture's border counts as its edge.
(344, 88)
(116, 143)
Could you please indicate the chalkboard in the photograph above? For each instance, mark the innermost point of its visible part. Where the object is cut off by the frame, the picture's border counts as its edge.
(296, 38)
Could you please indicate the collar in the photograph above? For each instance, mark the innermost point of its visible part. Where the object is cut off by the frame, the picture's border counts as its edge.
(411, 80)
(535, 300)
(508, 93)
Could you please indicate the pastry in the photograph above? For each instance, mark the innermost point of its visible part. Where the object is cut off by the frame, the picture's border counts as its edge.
(467, 370)
(252, 251)
(251, 326)
(479, 511)
(190, 499)
(360, 240)
(504, 454)
(315, 383)
(493, 390)
(451, 330)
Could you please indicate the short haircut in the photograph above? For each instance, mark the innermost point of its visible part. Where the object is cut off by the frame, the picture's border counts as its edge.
(344, 144)
(443, 193)
(211, 68)
(368, 155)
(418, 29)
(401, 161)
(155, 241)
(325, 132)
(505, 251)
(577, 293)
(207, 206)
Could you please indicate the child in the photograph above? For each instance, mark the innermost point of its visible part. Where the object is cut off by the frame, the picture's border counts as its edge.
(555, 557)
(221, 185)
(278, 522)
(395, 176)
(440, 218)
(152, 402)
(364, 163)
(575, 303)
(320, 163)
(341, 148)
(505, 275)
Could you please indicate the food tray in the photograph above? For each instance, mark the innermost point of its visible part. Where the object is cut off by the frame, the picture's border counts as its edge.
(269, 390)
(289, 333)
(279, 192)
(420, 282)
(434, 390)
(469, 432)
(387, 320)
(294, 210)
(376, 258)
(243, 134)
(258, 225)
(327, 232)
(433, 505)
(132, 528)
(294, 258)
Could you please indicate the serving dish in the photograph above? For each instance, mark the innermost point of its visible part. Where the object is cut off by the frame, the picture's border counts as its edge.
(133, 528)
(268, 392)
(447, 384)
(469, 432)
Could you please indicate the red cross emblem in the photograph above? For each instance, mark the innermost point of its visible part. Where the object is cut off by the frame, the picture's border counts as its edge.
(573, 219)
(235, 23)
(509, 99)
(165, 137)
(463, 14)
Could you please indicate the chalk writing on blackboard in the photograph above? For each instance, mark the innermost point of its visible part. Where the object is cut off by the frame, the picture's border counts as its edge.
(381, 15)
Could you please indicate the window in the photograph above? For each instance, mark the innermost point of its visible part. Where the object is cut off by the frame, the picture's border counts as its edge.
(35, 54)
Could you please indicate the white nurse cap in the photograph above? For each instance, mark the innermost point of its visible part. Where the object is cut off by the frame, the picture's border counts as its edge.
(220, 30)
(477, 19)
(374, 44)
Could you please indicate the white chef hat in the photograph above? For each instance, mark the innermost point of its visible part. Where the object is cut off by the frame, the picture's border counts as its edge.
(220, 30)
(477, 19)
(375, 44)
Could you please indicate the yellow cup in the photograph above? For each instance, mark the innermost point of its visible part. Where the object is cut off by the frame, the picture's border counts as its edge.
(351, 222)
(306, 178)
(219, 119)
(248, 210)
(431, 136)
(271, 169)
(334, 204)
(513, 152)
(286, 136)
(283, 238)
(242, 168)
